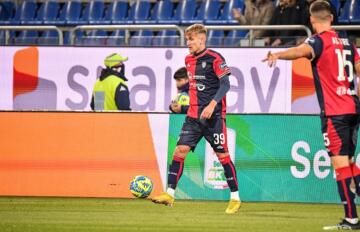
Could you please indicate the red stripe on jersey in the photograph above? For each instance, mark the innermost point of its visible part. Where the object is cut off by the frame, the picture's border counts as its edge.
(335, 140)
(190, 63)
(334, 90)
(217, 65)
(224, 131)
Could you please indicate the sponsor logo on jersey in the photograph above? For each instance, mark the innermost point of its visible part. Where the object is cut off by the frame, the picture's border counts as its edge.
(203, 64)
(223, 65)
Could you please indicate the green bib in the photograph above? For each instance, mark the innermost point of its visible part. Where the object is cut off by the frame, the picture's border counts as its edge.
(104, 93)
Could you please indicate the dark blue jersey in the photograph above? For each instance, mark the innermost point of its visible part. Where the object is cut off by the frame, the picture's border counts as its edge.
(205, 70)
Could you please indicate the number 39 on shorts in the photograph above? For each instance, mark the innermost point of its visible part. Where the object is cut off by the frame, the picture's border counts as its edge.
(326, 139)
(219, 138)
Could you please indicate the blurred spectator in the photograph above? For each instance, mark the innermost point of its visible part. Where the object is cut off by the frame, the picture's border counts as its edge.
(288, 12)
(257, 12)
(181, 102)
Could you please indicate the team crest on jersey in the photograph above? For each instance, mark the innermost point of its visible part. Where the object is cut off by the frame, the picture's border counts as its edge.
(203, 64)
(223, 65)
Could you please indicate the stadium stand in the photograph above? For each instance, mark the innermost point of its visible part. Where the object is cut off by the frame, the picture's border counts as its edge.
(119, 12)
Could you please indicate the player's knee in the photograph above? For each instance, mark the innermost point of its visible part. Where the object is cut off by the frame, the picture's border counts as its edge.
(181, 151)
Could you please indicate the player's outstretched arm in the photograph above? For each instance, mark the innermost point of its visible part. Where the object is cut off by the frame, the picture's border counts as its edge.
(294, 53)
(357, 70)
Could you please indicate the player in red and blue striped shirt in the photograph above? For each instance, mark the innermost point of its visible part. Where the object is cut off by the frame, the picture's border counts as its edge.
(334, 60)
(206, 117)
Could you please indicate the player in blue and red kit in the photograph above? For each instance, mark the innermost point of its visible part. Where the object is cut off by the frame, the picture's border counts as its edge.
(334, 60)
(206, 117)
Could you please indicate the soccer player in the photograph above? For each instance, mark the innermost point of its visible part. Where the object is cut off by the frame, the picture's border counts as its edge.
(209, 82)
(334, 60)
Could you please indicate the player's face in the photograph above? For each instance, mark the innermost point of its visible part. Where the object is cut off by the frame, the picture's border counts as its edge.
(181, 82)
(195, 42)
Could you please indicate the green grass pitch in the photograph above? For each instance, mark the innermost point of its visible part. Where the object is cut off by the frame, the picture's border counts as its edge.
(32, 214)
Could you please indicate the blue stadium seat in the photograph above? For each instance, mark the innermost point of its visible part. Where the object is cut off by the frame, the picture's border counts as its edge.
(47, 13)
(355, 12)
(51, 12)
(140, 12)
(50, 37)
(233, 37)
(337, 5)
(344, 14)
(7, 9)
(227, 16)
(93, 13)
(78, 37)
(215, 38)
(94, 38)
(27, 12)
(141, 38)
(12, 13)
(163, 11)
(117, 12)
(212, 11)
(166, 38)
(188, 10)
(117, 38)
(209, 10)
(28, 37)
(70, 13)
(2, 37)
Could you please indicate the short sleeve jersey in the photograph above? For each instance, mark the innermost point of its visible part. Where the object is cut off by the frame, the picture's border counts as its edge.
(333, 62)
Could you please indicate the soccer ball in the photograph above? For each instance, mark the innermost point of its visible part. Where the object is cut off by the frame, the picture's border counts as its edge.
(182, 99)
(141, 186)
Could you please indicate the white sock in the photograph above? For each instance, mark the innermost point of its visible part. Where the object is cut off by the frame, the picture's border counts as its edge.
(235, 196)
(171, 192)
(352, 220)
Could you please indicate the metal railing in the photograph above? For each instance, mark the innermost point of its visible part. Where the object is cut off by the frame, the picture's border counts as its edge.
(251, 29)
(347, 27)
(36, 28)
(127, 28)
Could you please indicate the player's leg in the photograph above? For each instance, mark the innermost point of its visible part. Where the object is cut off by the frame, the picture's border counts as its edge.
(336, 134)
(216, 135)
(353, 141)
(189, 137)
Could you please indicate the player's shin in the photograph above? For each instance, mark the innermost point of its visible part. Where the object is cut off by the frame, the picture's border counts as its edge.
(231, 178)
(343, 179)
(175, 171)
(356, 175)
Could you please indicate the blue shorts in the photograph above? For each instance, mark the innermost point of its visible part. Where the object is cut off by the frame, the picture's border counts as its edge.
(214, 131)
(340, 134)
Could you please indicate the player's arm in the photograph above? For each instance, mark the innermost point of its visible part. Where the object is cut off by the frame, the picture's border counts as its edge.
(220, 94)
(303, 50)
(357, 70)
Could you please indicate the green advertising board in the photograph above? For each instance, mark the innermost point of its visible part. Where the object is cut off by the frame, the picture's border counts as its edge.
(277, 158)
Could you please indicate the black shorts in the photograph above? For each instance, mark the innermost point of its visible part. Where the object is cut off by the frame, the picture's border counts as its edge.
(214, 131)
(340, 134)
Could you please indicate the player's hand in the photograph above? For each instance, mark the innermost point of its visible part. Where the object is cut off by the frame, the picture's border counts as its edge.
(175, 107)
(208, 110)
(271, 59)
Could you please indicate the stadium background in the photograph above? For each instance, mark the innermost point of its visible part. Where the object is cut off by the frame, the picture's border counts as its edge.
(65, 150)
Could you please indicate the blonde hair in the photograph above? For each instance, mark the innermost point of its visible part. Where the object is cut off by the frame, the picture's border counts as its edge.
(196, 28)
